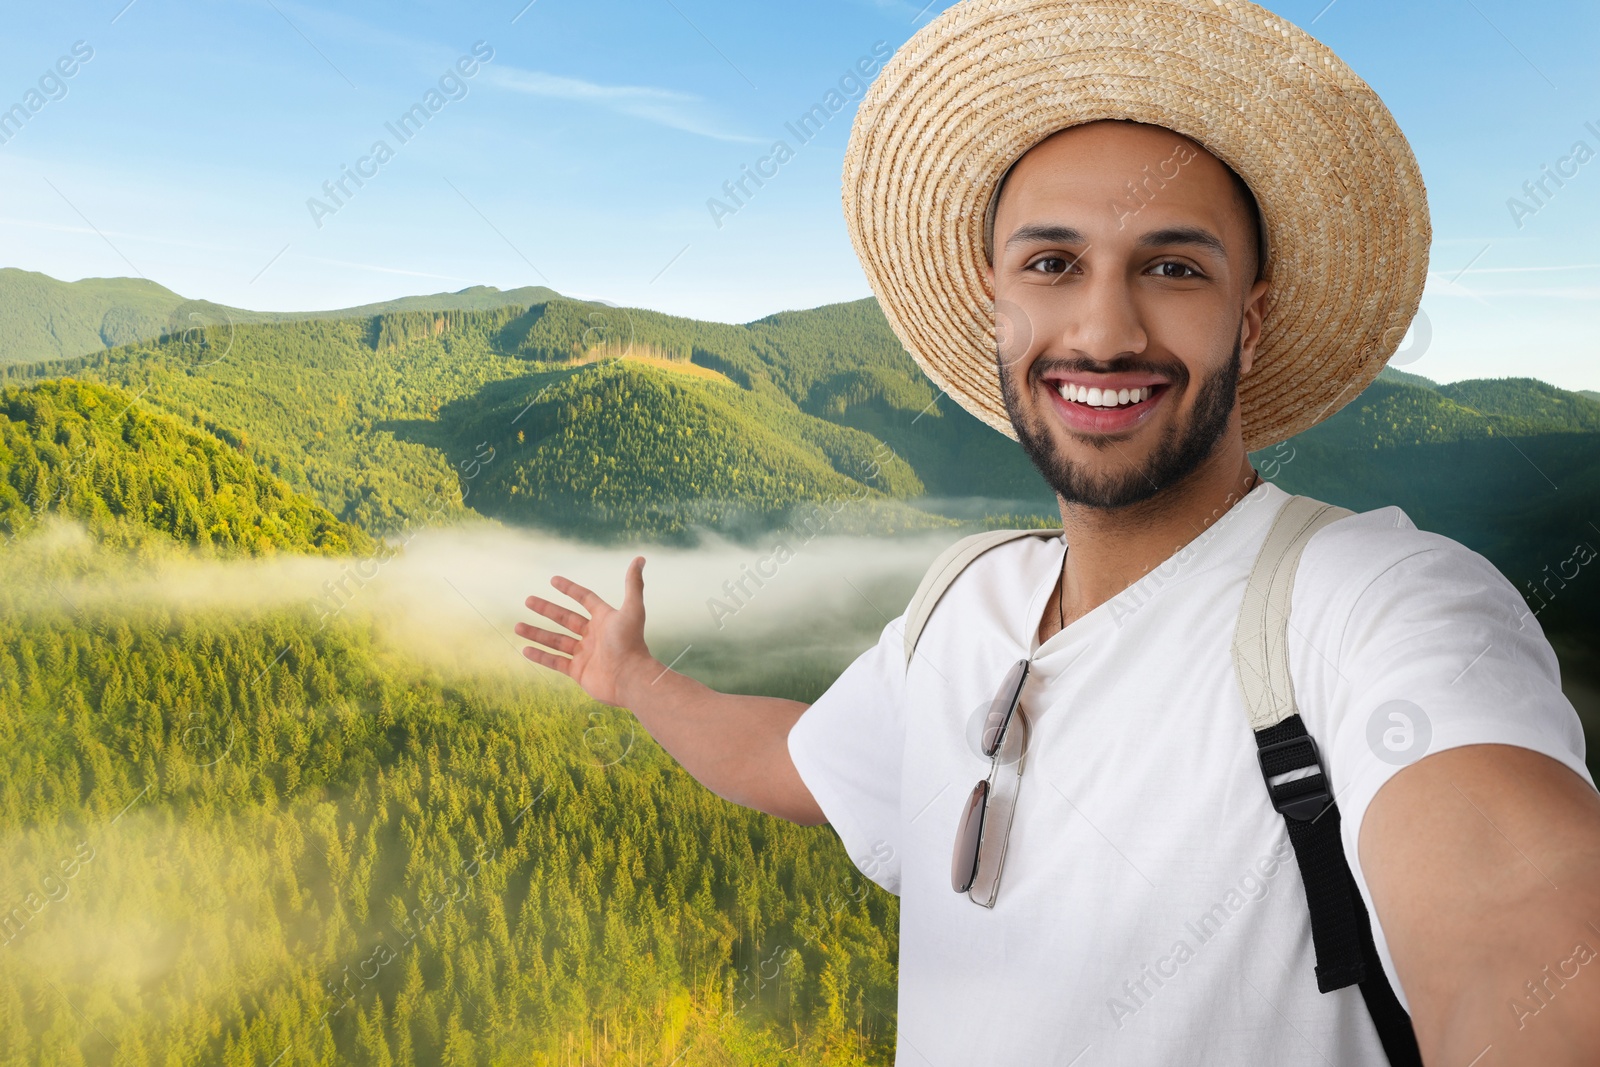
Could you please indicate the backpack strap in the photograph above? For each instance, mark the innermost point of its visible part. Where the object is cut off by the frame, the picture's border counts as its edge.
(951, 562)
(1341, 931)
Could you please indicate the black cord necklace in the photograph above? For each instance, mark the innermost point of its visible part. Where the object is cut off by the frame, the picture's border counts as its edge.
(1061, 590)
(1061, 594)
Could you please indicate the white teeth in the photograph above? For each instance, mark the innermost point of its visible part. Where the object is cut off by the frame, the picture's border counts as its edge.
(1102, 398)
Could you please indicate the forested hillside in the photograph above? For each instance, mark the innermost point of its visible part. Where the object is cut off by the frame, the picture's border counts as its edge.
(140, 479)
(841, 363)
(247, 839)
(622, 448)
(375, 418)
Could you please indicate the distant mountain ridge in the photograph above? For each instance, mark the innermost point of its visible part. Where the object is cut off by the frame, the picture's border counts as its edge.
(42, 318)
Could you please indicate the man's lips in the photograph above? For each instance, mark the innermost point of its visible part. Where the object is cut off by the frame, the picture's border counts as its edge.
(1104, 403)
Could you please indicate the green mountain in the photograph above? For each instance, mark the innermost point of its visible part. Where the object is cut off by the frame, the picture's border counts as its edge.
(1395, 413)
(139, 479)
(628, 448)
(41, 318)
(510, 414)
(45, 319)
(1392, 374)
(472, 298)
(840, 363)
(306, 846)
(1534, 406)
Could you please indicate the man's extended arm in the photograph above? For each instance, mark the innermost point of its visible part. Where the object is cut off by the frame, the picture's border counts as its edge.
(736, 746)
(1484, 866)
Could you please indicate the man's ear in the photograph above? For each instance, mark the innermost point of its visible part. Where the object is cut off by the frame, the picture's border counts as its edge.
(1255, 309)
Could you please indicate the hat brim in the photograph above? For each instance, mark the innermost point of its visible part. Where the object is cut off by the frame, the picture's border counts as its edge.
(1340, 193)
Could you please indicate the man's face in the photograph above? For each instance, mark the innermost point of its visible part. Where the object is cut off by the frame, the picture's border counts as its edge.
(1123, 275)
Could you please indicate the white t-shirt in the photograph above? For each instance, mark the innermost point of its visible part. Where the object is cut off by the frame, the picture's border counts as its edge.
(1150, 910)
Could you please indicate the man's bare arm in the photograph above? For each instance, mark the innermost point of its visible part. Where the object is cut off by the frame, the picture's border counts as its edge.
(736, 746)
(1484, 866)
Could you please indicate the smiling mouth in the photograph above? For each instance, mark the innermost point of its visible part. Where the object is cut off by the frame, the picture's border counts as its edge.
(1096, 410)
(1097, 397)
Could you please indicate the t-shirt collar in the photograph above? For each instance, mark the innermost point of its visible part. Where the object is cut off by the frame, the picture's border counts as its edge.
(1232, 532)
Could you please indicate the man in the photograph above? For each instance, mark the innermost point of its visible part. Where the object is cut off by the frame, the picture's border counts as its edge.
(1151, 325)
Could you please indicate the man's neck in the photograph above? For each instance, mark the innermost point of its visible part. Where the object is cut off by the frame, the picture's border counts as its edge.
(1110, 549)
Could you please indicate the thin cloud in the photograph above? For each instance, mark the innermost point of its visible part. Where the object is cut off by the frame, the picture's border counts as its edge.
(665, 107)
(1443, 284)
(54, 227)
(1571, 292)
(1529, 270)
(1556, 293)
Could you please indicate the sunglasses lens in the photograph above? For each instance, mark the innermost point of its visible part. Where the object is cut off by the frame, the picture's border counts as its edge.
(964, 863)
(1005, 704)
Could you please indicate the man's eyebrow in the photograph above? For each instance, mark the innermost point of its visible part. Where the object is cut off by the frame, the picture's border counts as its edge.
(1040, 231)
(1173, 235)
(1184, 235)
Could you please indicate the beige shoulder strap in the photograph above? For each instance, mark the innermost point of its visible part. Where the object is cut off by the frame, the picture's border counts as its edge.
(1261, 641)
(951, 562)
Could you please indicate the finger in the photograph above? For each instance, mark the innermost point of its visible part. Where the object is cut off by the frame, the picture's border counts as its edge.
(559, 615)
(559, 642)
(633, 585)
(582, 594)
(548, 659)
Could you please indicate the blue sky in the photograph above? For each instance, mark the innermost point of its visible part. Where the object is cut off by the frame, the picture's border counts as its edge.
(583, 153)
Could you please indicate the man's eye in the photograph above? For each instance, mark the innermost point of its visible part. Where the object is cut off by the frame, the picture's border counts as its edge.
(1061, 264)
(1192, 273)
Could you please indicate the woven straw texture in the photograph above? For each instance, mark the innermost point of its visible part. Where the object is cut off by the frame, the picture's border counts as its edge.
(1342, 198)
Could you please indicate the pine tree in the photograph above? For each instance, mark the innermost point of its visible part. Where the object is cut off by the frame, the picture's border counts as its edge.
(371, 1045)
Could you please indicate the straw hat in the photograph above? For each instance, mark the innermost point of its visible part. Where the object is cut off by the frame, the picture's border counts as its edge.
(1342, 199)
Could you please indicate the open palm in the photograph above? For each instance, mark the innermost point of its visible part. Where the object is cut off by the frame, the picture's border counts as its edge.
(609, 643)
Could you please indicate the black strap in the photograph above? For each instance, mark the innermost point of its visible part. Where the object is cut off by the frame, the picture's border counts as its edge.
(1341, 931)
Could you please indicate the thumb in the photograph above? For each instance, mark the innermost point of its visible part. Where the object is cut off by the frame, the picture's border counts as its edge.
(633, 584)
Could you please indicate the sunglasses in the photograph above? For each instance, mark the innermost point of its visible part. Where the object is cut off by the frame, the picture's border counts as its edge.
(986, 819)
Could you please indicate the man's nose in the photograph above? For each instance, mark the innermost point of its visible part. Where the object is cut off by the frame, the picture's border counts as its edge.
(1100, 319)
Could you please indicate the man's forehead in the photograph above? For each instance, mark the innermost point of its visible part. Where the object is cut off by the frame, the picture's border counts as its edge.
(1093, 149)
(1100, 164)
(1102, 132)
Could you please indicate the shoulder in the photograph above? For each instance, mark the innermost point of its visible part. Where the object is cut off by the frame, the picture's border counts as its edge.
(1373, 586)
(1372, 541)
(1380, 556)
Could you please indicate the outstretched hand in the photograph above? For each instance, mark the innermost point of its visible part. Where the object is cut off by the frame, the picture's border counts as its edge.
(609, 642)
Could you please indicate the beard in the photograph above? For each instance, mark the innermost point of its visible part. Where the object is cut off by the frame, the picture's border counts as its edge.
(1181, 450)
